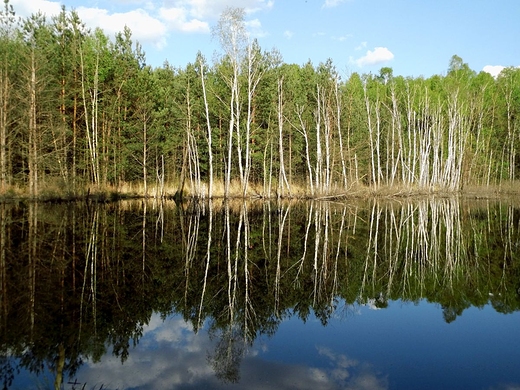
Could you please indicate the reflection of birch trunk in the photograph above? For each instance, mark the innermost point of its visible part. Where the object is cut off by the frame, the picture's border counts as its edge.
(324, 270)
(454, 239)
(3, 261)
(392, 234)
(434, 237)
(228, 260)
(317, 237)
(143, 243)
(159, 223)
(191, 246)
(408, 224)
(338, 251)
(372, 243)
(429, 242)
(59, 367)
(90, 263)
(249, 311)
(267, 230)
(234, 267)
(33, 250)
(508, 250)
(321, 274)
(281, 226)
(208, 258)
(305, 243)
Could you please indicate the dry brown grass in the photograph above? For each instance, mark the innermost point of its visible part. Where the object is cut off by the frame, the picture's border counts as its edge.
(57, 190)
(12, 191)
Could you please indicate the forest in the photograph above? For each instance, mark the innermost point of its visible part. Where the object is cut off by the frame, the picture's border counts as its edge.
(82, 113)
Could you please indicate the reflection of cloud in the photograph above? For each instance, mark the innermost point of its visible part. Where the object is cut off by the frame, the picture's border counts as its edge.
(371, 304)
(352, 374)
(170, 355)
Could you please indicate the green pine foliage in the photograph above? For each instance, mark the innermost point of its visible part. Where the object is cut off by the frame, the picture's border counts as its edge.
(81, 112)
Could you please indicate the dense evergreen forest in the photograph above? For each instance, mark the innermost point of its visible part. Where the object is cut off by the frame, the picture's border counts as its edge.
(81, 112)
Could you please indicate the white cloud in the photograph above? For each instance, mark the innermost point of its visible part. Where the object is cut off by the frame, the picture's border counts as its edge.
(149, 22)
(342, 38)
(144, 27)
(177, 19)
(377, 56)
(255, 28)
(28, 7)
(288, 34)
(332, 3)
(211, 9)
(493, 70)
(362, 45)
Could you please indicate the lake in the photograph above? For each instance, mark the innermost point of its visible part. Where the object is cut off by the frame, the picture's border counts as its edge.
(379, 294)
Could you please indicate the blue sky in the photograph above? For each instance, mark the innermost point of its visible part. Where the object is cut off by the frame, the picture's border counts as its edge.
(414, 37)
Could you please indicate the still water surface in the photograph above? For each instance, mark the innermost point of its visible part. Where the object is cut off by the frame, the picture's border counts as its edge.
(377, 295)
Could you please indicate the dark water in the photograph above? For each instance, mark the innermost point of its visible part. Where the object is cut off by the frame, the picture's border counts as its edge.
(378, 295)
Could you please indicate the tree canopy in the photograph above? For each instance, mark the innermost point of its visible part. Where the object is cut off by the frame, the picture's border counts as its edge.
(80, 111)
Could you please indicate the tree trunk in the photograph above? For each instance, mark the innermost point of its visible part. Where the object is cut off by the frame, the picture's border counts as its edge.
(33, 130)
(282, 177)
(209, 136)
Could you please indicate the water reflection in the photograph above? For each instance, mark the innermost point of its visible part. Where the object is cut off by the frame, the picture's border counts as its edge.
(81, 283)
(171, 355)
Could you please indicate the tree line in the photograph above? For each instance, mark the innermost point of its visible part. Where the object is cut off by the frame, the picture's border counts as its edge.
(80, 111)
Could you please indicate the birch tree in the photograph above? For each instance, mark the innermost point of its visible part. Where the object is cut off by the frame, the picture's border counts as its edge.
(231, 32)
(201, 65)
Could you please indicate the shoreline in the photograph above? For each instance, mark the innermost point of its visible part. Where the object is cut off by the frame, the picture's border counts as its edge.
(108, 195)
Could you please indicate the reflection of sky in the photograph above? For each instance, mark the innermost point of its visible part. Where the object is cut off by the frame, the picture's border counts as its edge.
(171, 356)
(405, 346)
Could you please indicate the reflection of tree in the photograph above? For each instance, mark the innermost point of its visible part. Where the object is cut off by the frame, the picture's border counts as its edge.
(228, 355)
(79, 279)
(8, 371)
(450, 314)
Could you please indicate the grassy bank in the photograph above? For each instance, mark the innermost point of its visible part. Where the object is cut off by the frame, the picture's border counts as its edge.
(56, 193)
